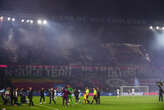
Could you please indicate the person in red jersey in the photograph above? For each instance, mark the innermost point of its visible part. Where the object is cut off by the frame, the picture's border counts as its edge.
(65, 96)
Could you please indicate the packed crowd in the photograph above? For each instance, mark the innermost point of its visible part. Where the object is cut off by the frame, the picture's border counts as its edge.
(111, 77)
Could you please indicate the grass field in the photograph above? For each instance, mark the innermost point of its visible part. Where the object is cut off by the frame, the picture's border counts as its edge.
(107, 103)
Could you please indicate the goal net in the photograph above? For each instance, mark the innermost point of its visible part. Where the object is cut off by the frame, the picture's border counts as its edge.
(134, 90)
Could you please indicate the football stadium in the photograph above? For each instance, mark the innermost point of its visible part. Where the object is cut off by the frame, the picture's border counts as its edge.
(81, 55)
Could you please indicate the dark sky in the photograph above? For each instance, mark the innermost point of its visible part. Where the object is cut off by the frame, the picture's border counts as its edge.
(141, 9)
(147, 9)
(127, 8)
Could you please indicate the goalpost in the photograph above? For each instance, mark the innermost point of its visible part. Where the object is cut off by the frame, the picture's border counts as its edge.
(133, 90)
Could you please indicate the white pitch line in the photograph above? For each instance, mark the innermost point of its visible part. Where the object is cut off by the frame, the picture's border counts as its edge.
(45, 107)
(51, 108)
(34, 107)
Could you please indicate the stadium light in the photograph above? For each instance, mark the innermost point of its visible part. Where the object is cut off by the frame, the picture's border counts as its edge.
(157, 27)
(13, 19)
(27, 21)
(39, 21)
(151, 27)
(31, 21)
(1, 18)
(162, 28)
(22, 20)
(8, 18)
(45, 22)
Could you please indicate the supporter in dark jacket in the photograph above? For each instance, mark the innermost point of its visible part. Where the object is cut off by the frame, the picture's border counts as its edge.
(76, 93)
(30, 96)
(98, 96)
(42, 97)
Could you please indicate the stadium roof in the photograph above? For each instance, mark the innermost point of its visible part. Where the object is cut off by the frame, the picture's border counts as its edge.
(124, 8)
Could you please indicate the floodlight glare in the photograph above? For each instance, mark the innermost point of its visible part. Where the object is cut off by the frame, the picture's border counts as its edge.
(13, 19)
(39, 21)
(27, 21)
(162, 28)
(8, 18)
(45, 22)
(31, 21)
(157, 27)
(151, 27)
(1, 18)
(22, 20)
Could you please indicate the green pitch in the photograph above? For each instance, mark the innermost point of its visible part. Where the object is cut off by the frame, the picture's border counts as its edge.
(107, 103)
